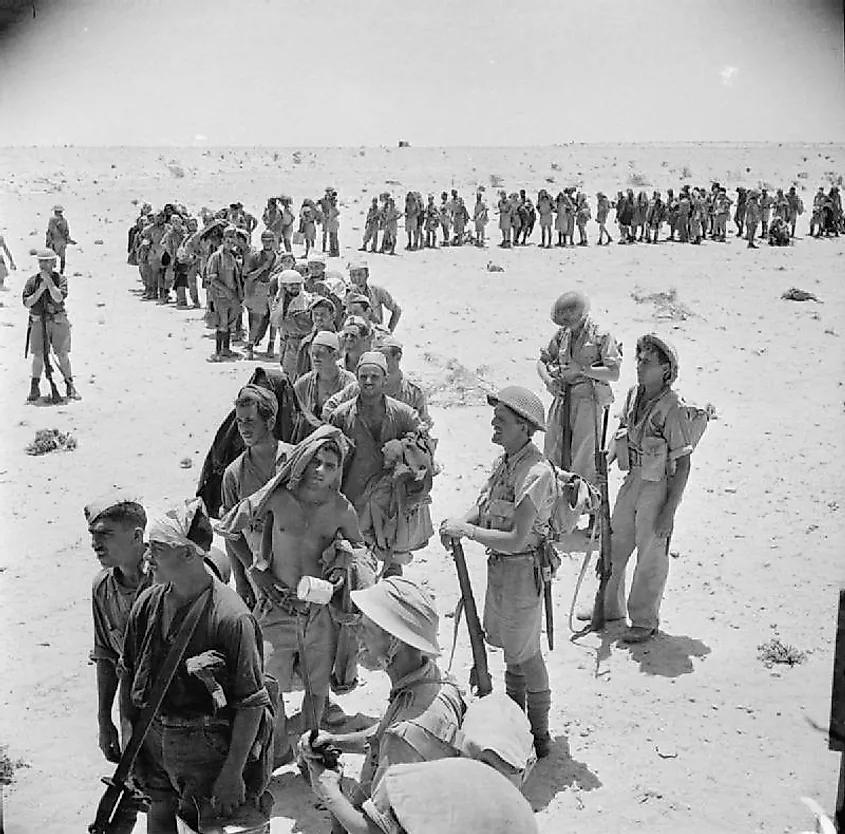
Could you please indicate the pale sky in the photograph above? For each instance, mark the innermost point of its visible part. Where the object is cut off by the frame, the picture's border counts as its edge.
(440, 72)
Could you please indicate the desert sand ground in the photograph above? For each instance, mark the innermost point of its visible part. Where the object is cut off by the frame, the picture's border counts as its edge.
(689, 733)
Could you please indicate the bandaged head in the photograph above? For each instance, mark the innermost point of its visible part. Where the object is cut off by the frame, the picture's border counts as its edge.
(185, 525)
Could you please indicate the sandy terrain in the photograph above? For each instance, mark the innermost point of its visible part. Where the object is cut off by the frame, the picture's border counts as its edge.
(690, 733)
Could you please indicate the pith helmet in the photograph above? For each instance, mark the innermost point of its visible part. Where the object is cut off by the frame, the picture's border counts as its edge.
(664, 347)
(402, 608)
(566, 301)
(522, 401)
(442, 796)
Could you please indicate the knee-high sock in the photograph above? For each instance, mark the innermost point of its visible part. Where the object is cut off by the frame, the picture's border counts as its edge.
(515, 685)
(538, 694)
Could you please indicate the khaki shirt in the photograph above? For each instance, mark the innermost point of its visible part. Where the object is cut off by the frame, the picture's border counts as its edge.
(526, 474)
(423, 717)
(592, 346)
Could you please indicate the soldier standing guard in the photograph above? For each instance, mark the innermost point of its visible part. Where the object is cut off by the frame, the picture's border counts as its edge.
(44, 296)
(511, 520)
(58, 235)
(577, 368)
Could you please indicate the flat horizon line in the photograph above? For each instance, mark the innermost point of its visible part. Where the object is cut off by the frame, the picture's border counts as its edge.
(204, 146)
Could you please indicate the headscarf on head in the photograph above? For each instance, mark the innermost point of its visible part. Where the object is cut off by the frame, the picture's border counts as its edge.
(259, 394)
(288, 477)
(173, 526)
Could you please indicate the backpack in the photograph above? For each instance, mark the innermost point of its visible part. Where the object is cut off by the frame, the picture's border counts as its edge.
(574, 496)
(697, 420)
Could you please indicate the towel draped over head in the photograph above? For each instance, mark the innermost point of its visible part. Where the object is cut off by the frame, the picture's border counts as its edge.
(289, 475)
(172, 527)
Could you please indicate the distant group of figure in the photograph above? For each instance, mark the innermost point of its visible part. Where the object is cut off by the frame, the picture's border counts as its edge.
(691, 215)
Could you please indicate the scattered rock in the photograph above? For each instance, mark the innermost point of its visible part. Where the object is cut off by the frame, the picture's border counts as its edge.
(796, 294)
(186, 463)
(98, 242)
(491, 267)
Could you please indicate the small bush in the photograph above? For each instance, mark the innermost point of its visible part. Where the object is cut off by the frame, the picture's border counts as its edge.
(775, 652)
(8, 766)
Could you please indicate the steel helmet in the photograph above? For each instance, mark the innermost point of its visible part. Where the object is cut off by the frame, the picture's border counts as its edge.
(523, 402)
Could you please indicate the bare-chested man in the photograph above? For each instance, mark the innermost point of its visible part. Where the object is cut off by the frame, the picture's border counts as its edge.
(303, 513)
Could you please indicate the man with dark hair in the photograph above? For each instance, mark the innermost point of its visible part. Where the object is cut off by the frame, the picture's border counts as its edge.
(326, 378)
(208, 751)
(256, 408)
(116, 523)
(511, 521)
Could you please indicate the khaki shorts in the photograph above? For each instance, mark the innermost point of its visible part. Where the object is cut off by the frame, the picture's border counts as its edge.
(513, 607)
(58, 335)
(284, 662)
(228, 314)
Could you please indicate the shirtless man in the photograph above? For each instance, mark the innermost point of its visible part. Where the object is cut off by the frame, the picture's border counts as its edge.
(303, 512)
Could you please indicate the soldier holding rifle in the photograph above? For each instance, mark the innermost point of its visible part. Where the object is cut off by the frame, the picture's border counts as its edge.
(511, 520)
(44, 296)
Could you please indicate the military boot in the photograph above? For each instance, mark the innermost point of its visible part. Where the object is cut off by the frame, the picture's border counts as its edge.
(72, 393)
(34, 391)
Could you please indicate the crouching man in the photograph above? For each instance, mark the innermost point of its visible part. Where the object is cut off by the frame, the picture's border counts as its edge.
(207, 754)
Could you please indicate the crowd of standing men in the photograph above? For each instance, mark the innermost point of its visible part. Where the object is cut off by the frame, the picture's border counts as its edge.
(691, 216)
(316, 494)
(321, 478)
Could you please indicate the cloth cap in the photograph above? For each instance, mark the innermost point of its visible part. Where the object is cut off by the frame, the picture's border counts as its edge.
(522, 401)
(358, 263)
(444, 796)
(357, 298)
(110, 501)
(567, 301)
(322, 301)
(289, 276)
(316, 258)
(389, 340)
(172, 526)
(497, 724)
(356, 321)
(402, 608)
(260, 395)
(287, 256)
(664, 347)
(372, 357)
(45, 255)
(327, 339)
(58, 207)
(268, 234)
(335, 282)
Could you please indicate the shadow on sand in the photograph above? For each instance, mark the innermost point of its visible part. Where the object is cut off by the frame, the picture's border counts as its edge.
(669, 655)
(555, 773)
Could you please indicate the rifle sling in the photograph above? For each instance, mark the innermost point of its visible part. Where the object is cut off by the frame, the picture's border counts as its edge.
(163, 681)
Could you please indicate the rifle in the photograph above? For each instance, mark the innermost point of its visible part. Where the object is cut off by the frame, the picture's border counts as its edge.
(121, 800)
(479, 676)
(55, 396)
(603, 565)
(546, 576)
